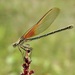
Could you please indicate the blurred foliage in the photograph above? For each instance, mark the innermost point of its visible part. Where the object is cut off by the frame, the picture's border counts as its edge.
(52, 55)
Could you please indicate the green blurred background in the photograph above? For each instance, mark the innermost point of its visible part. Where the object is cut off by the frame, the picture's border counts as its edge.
(52, 55)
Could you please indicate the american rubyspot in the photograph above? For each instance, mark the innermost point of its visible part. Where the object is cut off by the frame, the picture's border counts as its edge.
(39, 27)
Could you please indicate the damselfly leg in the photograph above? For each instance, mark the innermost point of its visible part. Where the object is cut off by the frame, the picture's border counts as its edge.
(25, 48)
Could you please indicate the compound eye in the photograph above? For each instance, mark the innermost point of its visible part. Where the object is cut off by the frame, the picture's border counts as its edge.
(15, 44)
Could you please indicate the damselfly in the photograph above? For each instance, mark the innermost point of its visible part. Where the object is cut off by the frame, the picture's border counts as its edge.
(39, 27)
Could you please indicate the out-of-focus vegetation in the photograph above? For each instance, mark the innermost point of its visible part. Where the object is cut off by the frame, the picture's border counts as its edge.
(52, 55)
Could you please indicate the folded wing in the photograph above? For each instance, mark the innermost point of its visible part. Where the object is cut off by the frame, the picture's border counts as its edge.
(43, 23)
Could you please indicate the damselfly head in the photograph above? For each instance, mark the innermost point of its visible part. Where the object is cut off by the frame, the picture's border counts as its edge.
(15, 44)
(19, 42)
